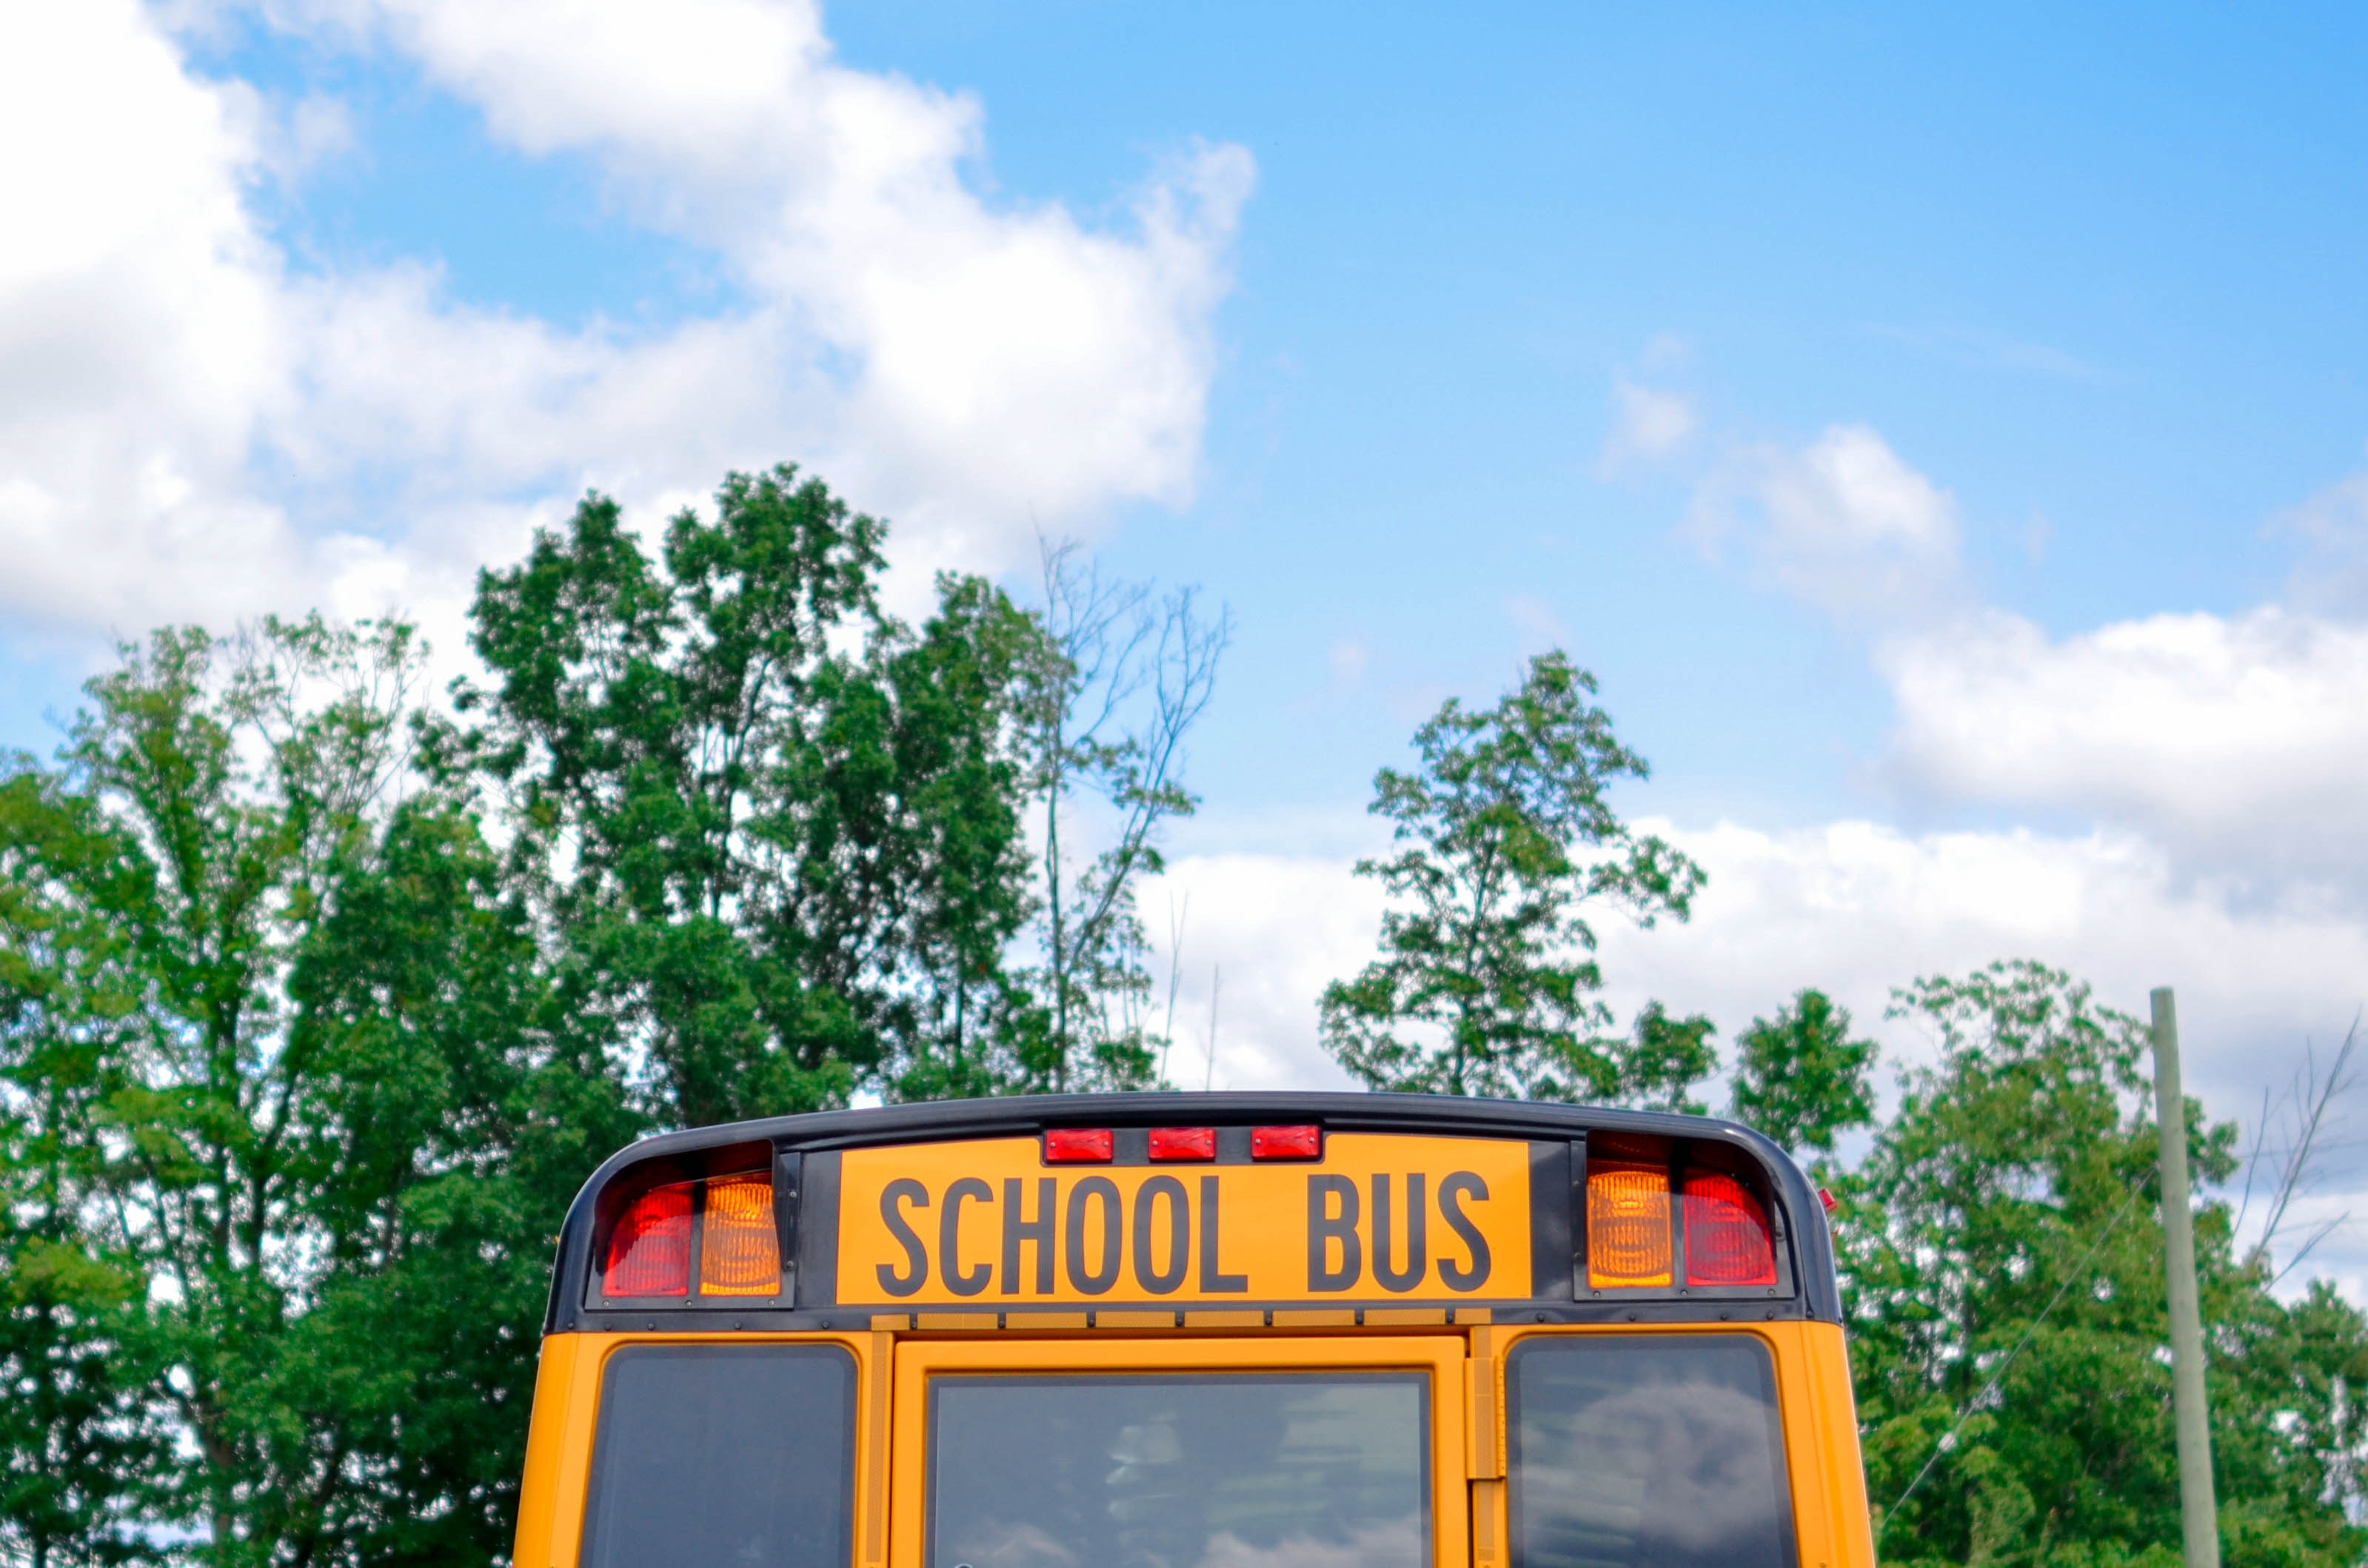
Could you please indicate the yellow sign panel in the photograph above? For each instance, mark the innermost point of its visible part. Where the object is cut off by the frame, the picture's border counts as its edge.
(1379, 1218)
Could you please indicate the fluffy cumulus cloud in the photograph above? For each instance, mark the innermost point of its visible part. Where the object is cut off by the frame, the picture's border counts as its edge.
(2237, 743)
(1855, 908)
(1852, 907)
(1844, 523)
(1262, 935)
(191, 425)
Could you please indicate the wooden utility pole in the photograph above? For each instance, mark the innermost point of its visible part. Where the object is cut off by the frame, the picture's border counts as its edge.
(2199, 1516)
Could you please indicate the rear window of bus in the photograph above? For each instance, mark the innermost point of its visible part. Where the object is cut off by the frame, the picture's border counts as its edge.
(724, 1454)
(1181, 1471)
(1647, 1452)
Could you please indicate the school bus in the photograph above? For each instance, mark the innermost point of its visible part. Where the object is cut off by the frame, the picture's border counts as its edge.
(1196, 1331)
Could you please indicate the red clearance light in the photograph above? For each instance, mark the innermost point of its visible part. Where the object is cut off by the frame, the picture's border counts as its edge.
(1183, 1142)
(649, 1252)
(739, 1250)
(1728, 1239)
(1077, 1146)
(1286, 1142)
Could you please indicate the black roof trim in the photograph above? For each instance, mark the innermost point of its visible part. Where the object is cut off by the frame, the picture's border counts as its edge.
(1026, 1114)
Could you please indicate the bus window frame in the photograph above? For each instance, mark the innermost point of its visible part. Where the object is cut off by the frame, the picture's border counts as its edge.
(1441, 1355)
(555, 1492)
(734, 1345)
(1817, 1405)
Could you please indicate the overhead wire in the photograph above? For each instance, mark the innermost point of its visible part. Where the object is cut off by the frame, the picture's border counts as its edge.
(1965, 1412)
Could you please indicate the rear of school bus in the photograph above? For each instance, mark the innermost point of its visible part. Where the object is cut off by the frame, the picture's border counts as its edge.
(1196, 1331)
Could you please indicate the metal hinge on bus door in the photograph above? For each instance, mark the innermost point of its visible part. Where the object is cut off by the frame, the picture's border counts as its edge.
(1483, 1450)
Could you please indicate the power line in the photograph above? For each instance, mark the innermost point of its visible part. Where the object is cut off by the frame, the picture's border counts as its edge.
(1966, 1412)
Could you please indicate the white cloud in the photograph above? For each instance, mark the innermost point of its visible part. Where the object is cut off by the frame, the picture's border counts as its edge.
(1003, 364)
(1854, 908)
(2238, 743)
(2333, 574)
(1843, 523)
(1649, 425)
(188, 428)
(1263, 935)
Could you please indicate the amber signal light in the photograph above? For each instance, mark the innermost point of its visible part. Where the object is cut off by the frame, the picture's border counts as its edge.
(739, 1248)
(1630, 1240)
(1632, 1237)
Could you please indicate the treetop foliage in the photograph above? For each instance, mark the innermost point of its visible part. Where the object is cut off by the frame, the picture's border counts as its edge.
(2003, 1274)
(319, 998)
(1486, 980)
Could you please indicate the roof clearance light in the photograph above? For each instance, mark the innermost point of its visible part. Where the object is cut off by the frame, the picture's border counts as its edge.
(739, 1250)
(1286, 1142)
(1077, 1146)
(1183, 1142)
(1628, 1232)
(1728, 1239)
(649, 1252)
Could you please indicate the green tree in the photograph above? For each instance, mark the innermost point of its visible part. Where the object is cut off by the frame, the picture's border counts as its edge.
(1118, 682)
(1486, 983)
(954, 698)
(1800, 1078)
(79, 1444)
(2003, 1276)
(299, 1110)
(777, 833)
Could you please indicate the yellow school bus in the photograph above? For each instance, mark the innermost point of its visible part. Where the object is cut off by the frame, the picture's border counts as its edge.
(1196, 1331)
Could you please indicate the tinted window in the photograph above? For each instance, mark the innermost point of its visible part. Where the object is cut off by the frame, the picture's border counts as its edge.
(1208, 1471)
(1631, 1451)
(729, 1457)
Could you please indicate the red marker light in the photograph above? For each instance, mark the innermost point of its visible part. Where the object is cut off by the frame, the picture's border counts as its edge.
(1077, 1146)
(1727, 1239)
(1183, 1142)
(1828, 1199)
(1286, 1143)
(649, 1252)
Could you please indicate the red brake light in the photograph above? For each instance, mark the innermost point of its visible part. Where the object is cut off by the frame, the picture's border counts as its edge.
(649, 1252)
(1286, 1142)
(1077, 1146)
(1183, 1142)
(1728, 1238)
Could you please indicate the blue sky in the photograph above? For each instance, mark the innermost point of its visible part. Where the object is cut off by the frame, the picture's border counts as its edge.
(2097, 279)
(1944, 432)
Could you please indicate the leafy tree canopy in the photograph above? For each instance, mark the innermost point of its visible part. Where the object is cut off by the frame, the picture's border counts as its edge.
(1800, 1078)
(291, 1117)
(2003, 1271)
(1486, 983)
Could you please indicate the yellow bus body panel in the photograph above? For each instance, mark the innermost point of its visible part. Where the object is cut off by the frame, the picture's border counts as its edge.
(1821, 1443)
(932, 1224)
